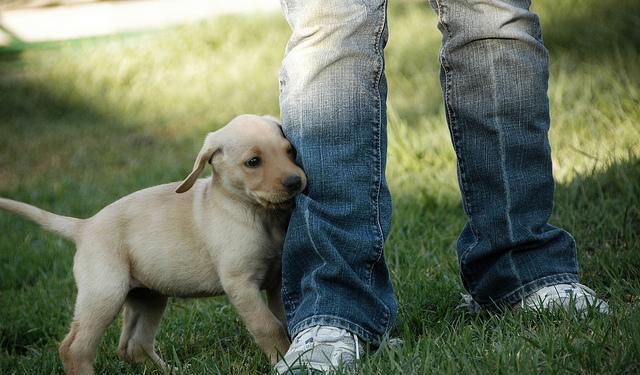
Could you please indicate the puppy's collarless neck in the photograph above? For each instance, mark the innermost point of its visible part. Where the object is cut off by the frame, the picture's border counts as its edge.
(234, 207)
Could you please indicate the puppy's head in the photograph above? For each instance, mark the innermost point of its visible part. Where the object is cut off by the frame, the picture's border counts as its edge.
(252, 161)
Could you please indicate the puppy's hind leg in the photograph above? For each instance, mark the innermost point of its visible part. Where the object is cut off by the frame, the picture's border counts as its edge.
(142, 314)
(97, 305)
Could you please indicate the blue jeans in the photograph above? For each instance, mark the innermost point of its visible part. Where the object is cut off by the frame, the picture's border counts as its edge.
(333, 93)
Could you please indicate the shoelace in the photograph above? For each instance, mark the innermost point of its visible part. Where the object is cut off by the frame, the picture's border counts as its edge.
(584, 288)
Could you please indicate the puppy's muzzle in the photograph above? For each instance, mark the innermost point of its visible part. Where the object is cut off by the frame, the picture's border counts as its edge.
(292, 183)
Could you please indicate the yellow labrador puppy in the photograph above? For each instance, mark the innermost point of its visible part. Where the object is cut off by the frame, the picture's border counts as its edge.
(195, 238)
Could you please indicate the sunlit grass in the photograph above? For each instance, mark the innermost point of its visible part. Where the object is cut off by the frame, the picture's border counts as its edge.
(83, 123)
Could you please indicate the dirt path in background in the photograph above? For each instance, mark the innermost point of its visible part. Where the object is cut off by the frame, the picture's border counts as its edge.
(51, 20)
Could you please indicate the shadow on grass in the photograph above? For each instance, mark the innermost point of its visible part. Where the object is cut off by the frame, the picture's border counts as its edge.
(602, 210)
(55, 141)
(24, 98)
(590, 29)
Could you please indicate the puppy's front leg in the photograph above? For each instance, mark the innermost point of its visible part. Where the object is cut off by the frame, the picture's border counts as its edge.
(274, 301)
(265, 327)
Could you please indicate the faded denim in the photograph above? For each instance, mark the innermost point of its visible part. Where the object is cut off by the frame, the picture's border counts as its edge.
(333, 109)
(494, 73)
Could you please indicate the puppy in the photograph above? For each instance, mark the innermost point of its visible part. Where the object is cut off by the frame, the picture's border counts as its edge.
(195, 238)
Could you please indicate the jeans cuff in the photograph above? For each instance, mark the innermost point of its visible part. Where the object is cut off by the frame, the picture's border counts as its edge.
(335, 321)
(519, 294)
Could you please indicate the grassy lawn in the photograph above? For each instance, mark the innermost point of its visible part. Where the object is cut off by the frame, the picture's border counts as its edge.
(83, 123)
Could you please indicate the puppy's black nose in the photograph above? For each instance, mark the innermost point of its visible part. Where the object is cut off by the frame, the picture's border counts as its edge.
(292, 183)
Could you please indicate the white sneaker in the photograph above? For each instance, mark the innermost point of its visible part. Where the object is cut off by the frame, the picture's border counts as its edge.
(573, 296)
(321, 349)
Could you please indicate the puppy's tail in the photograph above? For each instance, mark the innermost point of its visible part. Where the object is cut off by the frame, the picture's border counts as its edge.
(62, 225)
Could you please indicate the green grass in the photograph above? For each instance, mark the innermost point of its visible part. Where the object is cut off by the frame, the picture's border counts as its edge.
(85, 122)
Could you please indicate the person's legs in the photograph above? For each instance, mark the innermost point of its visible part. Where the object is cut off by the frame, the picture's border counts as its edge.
(333, 110)
(494, 72)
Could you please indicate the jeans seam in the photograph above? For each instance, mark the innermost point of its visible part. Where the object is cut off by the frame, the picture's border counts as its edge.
(441, 7)
(464, 189)
(285, 297)
(315, 249)
(452, 120)
(379, 52)
(378, 146)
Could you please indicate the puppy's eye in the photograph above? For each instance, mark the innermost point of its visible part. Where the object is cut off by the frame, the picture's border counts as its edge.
(254, 162)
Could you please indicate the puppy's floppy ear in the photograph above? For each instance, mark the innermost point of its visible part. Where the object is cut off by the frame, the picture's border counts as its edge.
(272, 118)
(276, 121)
(211, 146)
